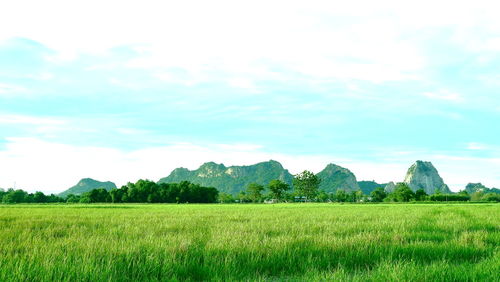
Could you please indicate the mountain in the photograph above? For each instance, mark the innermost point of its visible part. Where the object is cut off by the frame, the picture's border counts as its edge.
(478, 187)
(335, 177)
(390, 187)
(475, 187)
(87, 184)
(232, 179)
(368, 186)
(423, 175)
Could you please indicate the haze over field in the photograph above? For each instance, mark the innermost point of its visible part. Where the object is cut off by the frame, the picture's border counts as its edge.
(119, 91)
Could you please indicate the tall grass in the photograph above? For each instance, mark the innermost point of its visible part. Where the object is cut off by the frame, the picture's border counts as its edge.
(250, 242)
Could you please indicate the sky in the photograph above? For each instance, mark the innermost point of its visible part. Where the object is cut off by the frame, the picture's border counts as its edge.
(124, 90)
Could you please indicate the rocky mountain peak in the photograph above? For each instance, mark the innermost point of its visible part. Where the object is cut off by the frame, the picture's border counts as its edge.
(423, 175)
(212, 165)
(333, 168)
(390, 187)
(334, 177)
(474, 187)
(479, 187)
(274, 163)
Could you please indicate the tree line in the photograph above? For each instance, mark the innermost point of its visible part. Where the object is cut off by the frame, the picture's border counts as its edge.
(305, 184)
(143, 191)
(306, 188)
(12, 196)
(146, 191)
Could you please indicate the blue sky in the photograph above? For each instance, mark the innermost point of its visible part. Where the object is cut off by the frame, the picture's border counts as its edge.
(127, 90)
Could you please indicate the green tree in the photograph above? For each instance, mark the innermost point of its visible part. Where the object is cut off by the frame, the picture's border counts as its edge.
(242, 197)
(255, 192)
(225, 198)
(2, 193)
(449, 197)
(323, 196)
(72, 198)
(117, 195)
(54, 199)
(307, 184)
(15, 196)
(85, 199)
(360, 197)
(378, 195)
(491, 197)
(96, 196)
(341, 195)
(477, 196)
(420, 195)
(278, 188)
(403, 192)
(39, 197)
(352, 197)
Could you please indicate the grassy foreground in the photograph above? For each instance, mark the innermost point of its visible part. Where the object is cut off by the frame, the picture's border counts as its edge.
(250, 242)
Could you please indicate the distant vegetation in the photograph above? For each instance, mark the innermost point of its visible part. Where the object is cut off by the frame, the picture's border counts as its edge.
(265, 182)
(306, 190)
(145, 191)
(368, 186)
(12, 196)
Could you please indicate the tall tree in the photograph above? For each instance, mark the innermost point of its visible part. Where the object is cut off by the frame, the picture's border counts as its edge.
(255, 191)
(117, 194)
(341, 195)
(225, 198)
(420, 195)
(39, 197)
(278, 188)
(2, 193)
(307, 184)
(15, 196)
(403, 192)
(378, 195)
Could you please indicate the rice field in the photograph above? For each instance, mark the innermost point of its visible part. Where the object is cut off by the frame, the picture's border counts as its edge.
(350, 242)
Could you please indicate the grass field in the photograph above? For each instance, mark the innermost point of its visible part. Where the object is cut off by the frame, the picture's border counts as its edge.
(411, 242)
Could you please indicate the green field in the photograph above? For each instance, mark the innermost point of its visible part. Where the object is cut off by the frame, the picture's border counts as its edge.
(409, 242)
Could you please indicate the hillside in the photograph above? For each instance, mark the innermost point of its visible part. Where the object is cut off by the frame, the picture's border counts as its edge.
(368, 186)
(335, 177)
(86, 185)
(232, 179)
(479, 187)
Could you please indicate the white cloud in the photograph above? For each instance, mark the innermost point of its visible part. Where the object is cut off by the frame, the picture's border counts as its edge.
(10, 90)
(243, 83)
(241, 44)
(304, 37)
(124, 84)
(187, 79)
(30, 120)
(337, 40)
(444, 95)
(476, 146)
(43, 76)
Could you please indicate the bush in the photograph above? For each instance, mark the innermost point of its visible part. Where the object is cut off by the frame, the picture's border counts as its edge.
(449, 197)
